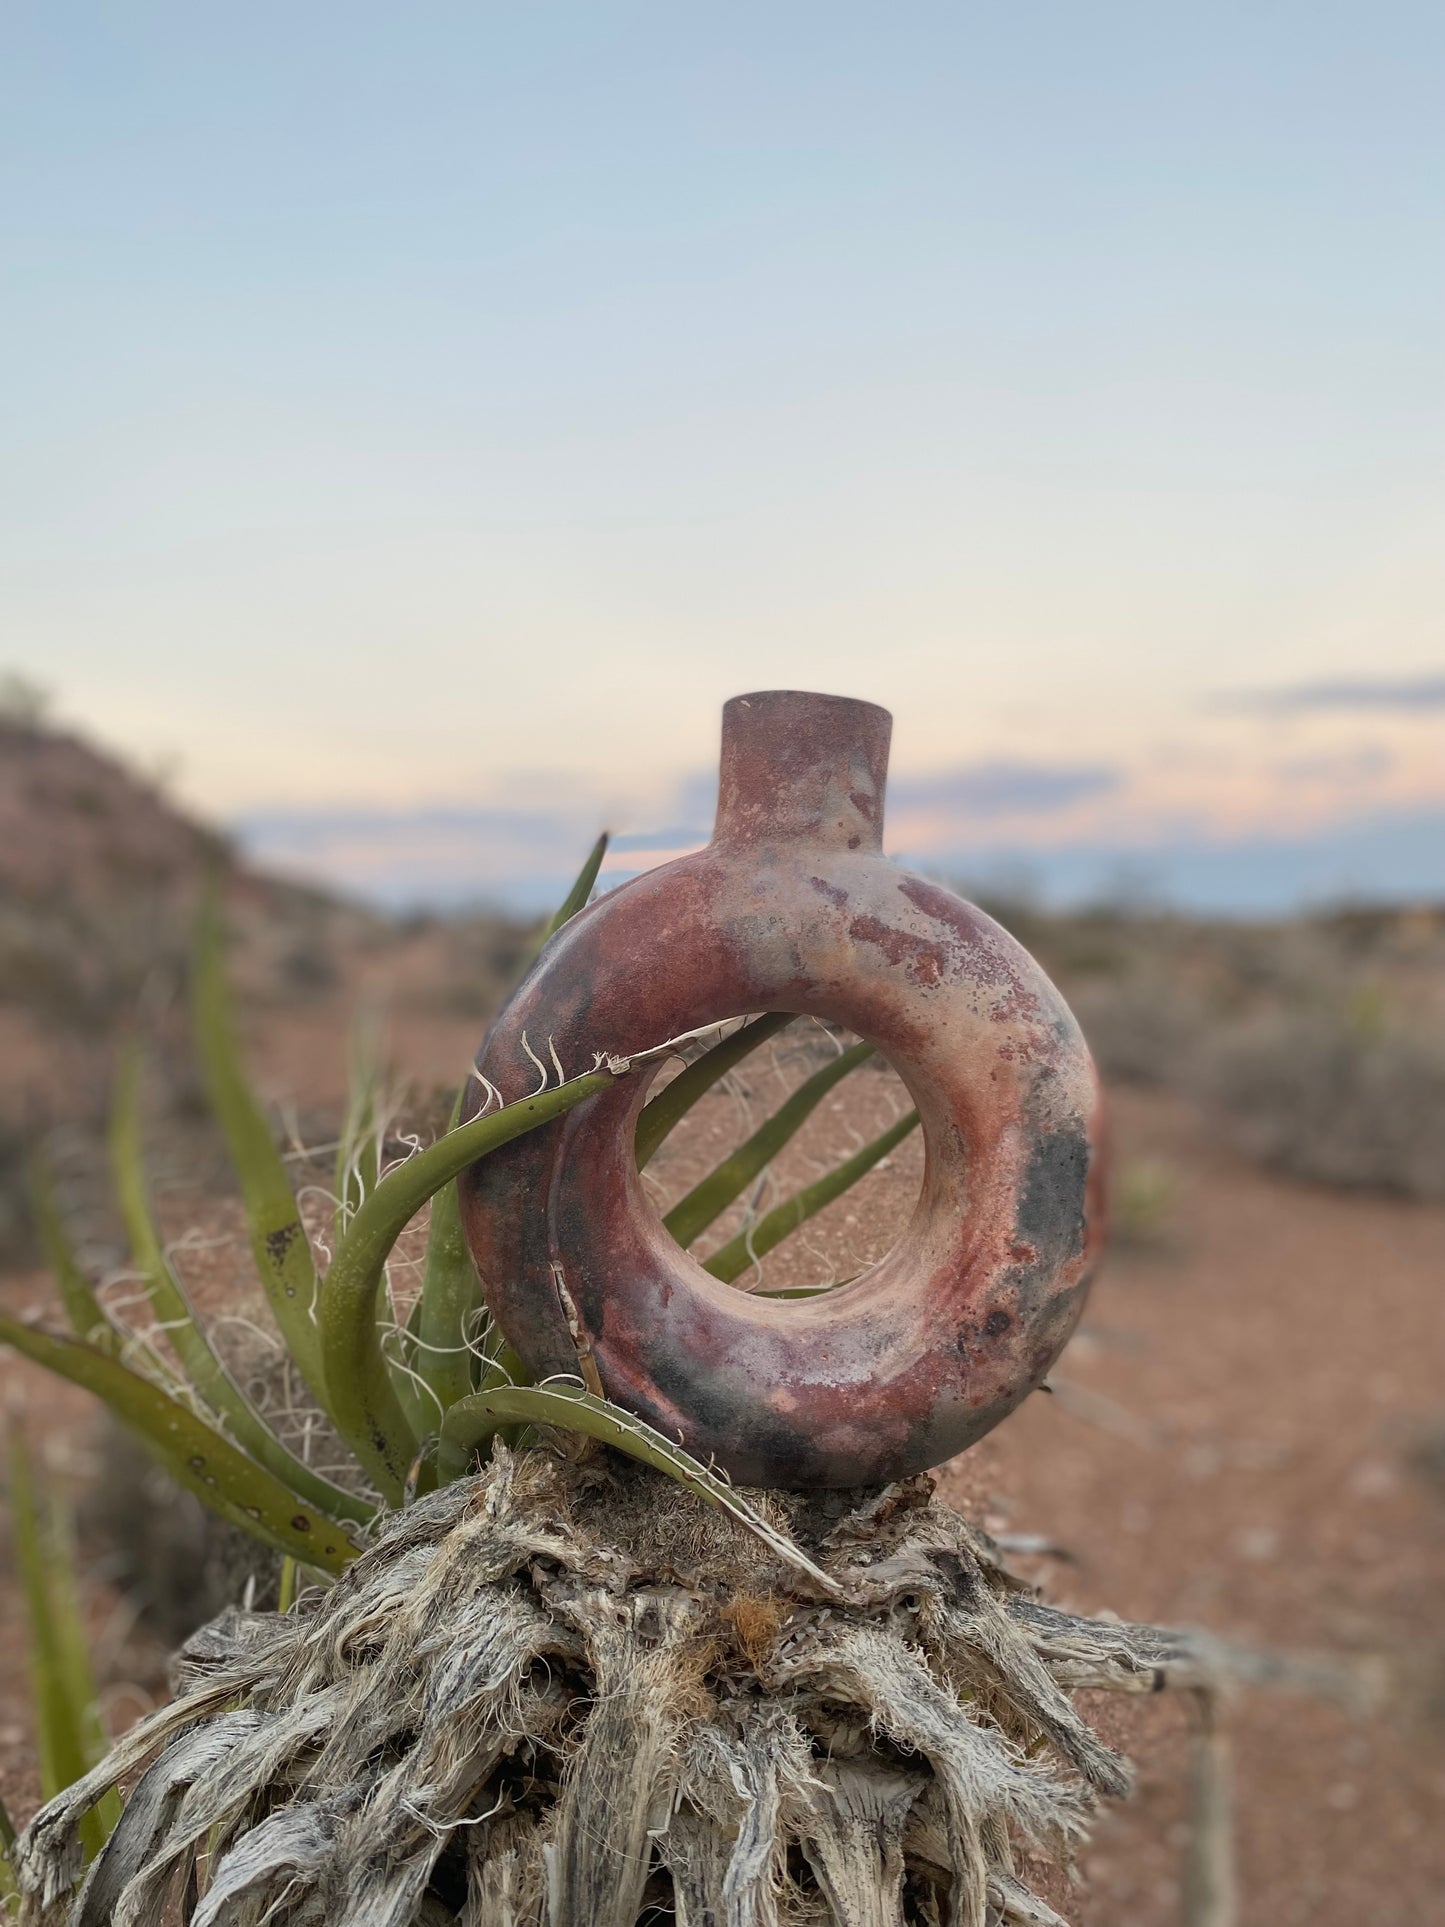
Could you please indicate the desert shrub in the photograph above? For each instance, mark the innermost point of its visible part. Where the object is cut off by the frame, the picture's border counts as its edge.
(1144, 1197)
(1317, 1043)
(1142, 1027)
(1337, 1097)
(483, 957)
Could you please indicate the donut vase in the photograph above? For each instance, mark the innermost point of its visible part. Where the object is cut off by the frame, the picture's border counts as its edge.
(793, 907)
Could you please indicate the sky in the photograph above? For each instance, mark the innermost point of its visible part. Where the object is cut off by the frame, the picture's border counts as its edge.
(418, 420)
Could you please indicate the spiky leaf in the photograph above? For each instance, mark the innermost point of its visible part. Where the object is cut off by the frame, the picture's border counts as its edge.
(667, 1110)
(77, 1672)
(9, 1892)
(450, 1297)
(729, 1261)
(193, 1452)
(68, 1731)
(62, 1756)
(576, 897)
(358, 1151)
(282, 1250)
(82, 1307)
(692, 1215)
(400, 1344)
(364, 1401)
(208, 1377)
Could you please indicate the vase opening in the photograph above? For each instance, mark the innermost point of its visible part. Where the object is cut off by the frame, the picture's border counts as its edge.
(859, 1230)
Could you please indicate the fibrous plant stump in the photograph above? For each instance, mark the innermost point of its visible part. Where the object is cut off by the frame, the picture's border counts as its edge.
(567, 1693)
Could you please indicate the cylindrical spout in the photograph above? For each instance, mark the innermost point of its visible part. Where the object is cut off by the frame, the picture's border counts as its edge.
(796, 765)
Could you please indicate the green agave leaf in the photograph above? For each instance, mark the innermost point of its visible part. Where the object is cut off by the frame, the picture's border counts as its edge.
(692, 1215)
(672, 1104)
(9, 1892)
(364, 1401)
(729, 1261)
(208, 1377)
(423, 1414)
(358, 1154)
(57, 1730)
(451, 1291)
(77, 1672)
(82, 1307)
(450, 1297)
(576, 897)
(803, 1291)
(496, 1363)
(477, 1419)
(282, 1250)
(193, 1452)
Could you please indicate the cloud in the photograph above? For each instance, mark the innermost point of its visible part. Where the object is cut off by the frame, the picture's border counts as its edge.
(674, 839)
(1410, 693)
(450, 856)
(993, 789)
(433, 858)
(1005, 789)
(1350, 766)
(1257, 840)
(1389, 856)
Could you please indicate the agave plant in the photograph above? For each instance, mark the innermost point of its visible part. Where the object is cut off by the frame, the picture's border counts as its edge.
(416, 1401)
(542, 1684)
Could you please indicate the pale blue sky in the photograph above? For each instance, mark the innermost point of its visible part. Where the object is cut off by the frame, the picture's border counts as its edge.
(450, 405)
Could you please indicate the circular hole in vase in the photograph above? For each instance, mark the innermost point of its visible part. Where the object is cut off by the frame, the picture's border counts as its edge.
(865, 1107)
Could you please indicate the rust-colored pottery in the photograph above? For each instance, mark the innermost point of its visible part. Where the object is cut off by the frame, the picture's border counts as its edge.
(792, 906)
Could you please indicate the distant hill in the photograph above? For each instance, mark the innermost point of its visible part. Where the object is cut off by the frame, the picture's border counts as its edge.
(99, 875)
(96, 872)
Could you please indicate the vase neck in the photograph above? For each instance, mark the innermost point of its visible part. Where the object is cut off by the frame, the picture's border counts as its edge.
(802, 767)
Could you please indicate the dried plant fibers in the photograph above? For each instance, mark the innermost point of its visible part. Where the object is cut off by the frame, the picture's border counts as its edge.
(566, 1693)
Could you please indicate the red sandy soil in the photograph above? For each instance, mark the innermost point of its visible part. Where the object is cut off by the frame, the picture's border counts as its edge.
(1274, 1374)
(1234, 1445)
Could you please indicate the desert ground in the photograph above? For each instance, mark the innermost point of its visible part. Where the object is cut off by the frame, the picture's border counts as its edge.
(1247, 1433)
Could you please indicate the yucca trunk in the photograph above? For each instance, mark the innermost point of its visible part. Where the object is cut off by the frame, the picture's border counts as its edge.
(567, 1693)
